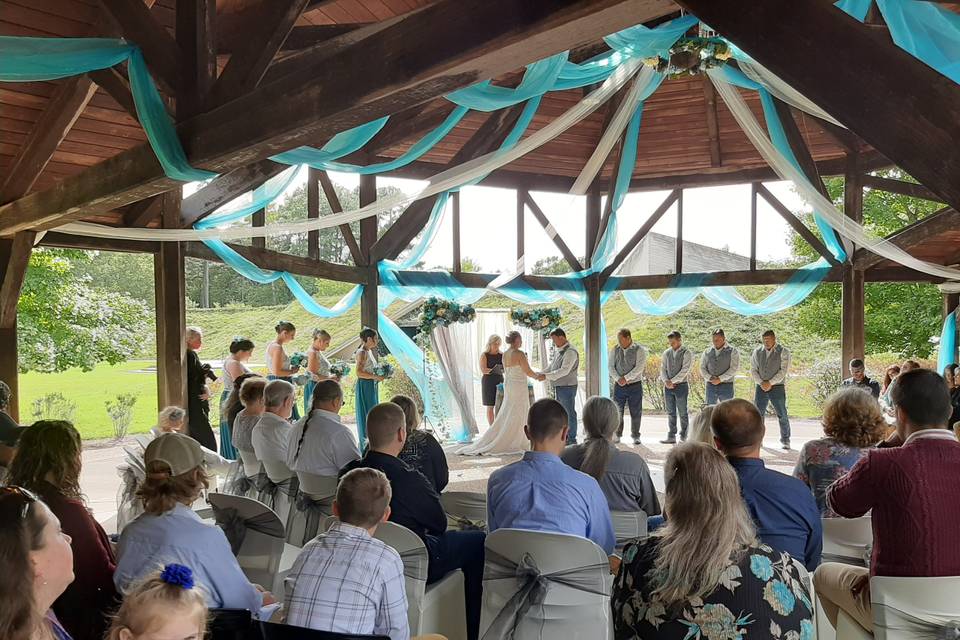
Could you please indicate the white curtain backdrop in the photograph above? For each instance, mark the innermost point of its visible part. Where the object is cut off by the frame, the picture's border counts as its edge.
(452, 346)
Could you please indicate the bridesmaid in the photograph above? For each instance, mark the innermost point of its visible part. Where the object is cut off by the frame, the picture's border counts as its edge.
(491, 366)
(278, 362)
(233, 367)
(367, 396)
(317, 366)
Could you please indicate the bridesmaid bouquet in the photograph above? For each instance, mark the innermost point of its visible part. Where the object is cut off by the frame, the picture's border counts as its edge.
(543, 319)
(384, 370)
(299, 359)
(340, 369)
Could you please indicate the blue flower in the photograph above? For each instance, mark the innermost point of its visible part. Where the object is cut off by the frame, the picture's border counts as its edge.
(806, 630)
(779, 596)
(761, 567)
(178, 574)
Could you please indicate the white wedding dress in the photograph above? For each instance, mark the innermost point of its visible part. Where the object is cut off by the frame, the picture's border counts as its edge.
(506, 435)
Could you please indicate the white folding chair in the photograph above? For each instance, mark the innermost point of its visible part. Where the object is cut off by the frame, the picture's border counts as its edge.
(909, 608)
(143, 439)
(438, 608)
(263, 556)
(465, 509)
(566, 612)
(280, 499)
(628, 526)
(316, 497)
(847, 540)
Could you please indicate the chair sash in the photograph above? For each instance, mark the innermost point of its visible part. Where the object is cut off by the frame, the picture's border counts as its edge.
(460, 523)
(129, 506)
(235, 527)
(893, 619)
(314, 510)
(269, 490)
(237, 483)
(532, 588)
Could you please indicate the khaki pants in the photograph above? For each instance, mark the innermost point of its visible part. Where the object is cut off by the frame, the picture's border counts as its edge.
(834, 586)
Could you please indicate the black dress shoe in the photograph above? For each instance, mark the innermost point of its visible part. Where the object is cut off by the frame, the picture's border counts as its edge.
(636, 440)
(668, 441)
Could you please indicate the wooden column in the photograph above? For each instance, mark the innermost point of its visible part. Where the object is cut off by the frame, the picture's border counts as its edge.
(457, 258)
(368, 237)
(521, 214)
(852, 338)
(313, 212)
(170, 293)
(753, 226)
(679, 252)
(594, 342)
(593, 213)
(14, 258)
(259, 219)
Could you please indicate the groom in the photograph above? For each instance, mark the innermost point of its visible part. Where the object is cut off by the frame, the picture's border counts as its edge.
(562, 373)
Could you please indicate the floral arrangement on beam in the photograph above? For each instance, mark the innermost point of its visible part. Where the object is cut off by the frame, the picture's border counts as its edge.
(438, 312)
(544, 319)
(691, 56)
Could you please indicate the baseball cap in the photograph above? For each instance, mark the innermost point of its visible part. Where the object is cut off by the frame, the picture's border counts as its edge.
(10, 431)
(181, 453)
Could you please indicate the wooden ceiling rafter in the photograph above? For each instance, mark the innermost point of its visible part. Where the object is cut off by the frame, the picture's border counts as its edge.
(225, 188)
(942, 220)
(160, 50)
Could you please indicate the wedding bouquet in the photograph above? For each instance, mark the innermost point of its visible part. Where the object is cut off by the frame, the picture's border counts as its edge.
(384, 370)
(299, 359)
(438, 312)
(340, 369)
(545, 319)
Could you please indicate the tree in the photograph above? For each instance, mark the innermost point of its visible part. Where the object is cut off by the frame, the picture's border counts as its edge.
(65, 322)
(899, 317)
(552, 266)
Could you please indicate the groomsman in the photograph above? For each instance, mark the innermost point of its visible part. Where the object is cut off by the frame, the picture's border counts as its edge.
(718, 366)
(674, 369)
(768, 367)
(626, 363)
(562, 373)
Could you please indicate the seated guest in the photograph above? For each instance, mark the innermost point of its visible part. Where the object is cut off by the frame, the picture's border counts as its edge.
(911, 492)
(705, 574)
(10, 433)
(782, 507)
(540, 493)
(853, 424)
(271, 435)
(251, 397)
(344, 580)
(170, 420)
(166, 604)
(422, 451)
(415, 505)
(623, 475)
(700, 429)
(888, 377)
(320, 443)
(859, 379)
(48, 464)
(232, 405)
(169, 531)
(37, 564)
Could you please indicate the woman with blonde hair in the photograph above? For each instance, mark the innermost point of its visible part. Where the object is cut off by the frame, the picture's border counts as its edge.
(623, 475)
(166, 604)
(852, 423)
(700, 430)
(491, 366)
(421, 450)
(704, 573)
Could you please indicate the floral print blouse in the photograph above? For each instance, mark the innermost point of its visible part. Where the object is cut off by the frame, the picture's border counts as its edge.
(760, 595)
(821, 463)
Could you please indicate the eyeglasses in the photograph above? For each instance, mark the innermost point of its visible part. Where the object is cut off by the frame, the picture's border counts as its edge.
(27, 497)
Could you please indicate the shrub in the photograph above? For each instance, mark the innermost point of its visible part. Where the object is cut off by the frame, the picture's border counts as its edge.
(54, 406)
(120, 411)
(826, 376)
(653, 386)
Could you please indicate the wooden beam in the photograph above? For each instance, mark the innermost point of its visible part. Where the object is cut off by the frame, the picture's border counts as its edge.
(14, 272)
(852, 300)
(331, 195)
(552, 232)
(679, 244)
(521, 232)
(641, 233)
(593, 211)
(170, 297)
(140, 214)
(232, 33)
(259, 219)
(799, 146)
(594, 340)
(92, 243)
(313, 212)
(795, 223)
(713, 128)
(912, 235)
(401, 127)
(196, 37)
(472, 40)
(225, 188)
(117, 86)
(457, 258)
(160, 49)
(719, 278)
(62, 111)
(617, 154)
(276, 261)
(901, 187)
(753, 225)
(264, 36)
(370, 301)
(899, 88)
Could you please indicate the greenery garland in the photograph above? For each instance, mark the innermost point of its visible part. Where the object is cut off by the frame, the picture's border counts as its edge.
(543, 319)
(439, 312)
(691, 56)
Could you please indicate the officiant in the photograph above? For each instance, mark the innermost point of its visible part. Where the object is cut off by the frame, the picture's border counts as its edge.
(563, 375)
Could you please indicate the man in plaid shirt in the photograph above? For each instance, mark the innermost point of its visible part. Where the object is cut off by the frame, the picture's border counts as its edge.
(344, 580)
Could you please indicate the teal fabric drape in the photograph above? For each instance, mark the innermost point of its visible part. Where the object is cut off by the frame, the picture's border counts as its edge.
(948, 341)
(343, 143)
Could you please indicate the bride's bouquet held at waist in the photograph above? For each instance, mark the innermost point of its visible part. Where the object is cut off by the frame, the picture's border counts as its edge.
(384, 370)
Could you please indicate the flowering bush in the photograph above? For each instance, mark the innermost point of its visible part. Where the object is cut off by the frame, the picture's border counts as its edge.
(545, 319)
(437, 312)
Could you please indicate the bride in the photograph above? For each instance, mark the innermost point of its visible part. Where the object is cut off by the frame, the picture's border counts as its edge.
(506, 435)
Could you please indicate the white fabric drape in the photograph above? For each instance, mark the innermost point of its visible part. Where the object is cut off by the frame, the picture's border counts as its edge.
(772, 82)
(452, 352)
(784, 168)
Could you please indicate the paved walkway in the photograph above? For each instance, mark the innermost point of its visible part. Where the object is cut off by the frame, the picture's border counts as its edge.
(100, 481)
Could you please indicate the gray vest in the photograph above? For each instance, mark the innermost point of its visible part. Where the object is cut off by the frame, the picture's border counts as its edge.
(719, 363)
(564, 357)
(625, 360)
(769, 365)
(674, 361)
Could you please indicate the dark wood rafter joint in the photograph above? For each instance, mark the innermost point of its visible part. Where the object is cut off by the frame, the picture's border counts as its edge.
(141, 214)
(551, 231)
(911, 189)
(160, 49)
(276, 261)
(331, 195)
(196, 37)
(225, 188)
(911, 236)
(795, 223)
(117, 85)
(455, 210)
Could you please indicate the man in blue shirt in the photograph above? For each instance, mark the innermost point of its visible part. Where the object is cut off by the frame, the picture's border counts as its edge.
(541, 493)
(782, 507)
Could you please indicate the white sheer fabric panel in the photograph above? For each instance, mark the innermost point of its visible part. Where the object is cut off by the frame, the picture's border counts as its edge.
(451, 344)
(759, 73)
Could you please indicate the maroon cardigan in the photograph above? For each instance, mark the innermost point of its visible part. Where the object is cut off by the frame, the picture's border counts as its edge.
(84, 607)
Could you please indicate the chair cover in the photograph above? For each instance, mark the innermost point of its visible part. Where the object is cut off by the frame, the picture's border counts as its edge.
(915, 608)
(238, 483)
(628, 526)
(277, 488)
(235, 526)
(847, 540)
(129, 506)
(313, 503)
(544, 585)
(258, 533)
(466, 510)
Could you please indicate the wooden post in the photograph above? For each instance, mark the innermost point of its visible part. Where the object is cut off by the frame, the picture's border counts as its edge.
(14, 259)
(313, 212)
(170, 293)
(753, 226)
(593, 340)
(521, 214)
(259, 219)
(593, 213)
(457, 258)
(852, 338)
(368, 237)
(679, 252)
